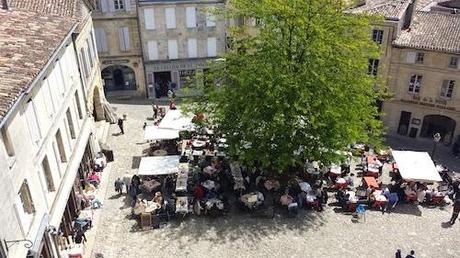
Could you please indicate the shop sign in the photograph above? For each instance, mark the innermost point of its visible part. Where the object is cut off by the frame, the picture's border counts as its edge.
(111, 62)
(429, 102)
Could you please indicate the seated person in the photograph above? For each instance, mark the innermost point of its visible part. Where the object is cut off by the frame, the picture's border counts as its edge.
(94, 179)
(198, 192)
(286, 199)
(158, 198)
(100, 162)
(410, 192)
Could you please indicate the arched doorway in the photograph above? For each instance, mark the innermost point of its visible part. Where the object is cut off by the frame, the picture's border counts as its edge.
(443, 125)
(118, 77)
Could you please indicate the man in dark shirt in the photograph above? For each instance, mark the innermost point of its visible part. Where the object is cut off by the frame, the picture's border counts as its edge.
(411, 255)
(456, 210)
(120, 125)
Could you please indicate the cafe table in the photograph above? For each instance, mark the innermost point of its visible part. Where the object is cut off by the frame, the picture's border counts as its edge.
(182, 204)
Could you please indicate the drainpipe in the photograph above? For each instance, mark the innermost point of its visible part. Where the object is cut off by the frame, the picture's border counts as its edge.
(142, 50)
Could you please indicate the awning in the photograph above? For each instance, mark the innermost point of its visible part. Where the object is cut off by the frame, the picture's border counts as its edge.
(153, 133)
(177, 120)
(161, 165)
(416, 166)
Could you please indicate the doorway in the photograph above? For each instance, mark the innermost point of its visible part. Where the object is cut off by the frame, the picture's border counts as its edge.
(162, 80)
(118, 77)
(404, 121)
(443, 125)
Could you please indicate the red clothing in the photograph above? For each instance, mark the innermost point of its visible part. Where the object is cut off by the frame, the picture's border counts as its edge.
(94, 177)
(198, 192)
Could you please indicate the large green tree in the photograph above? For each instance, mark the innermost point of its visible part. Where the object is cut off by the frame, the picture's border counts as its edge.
(297, 87)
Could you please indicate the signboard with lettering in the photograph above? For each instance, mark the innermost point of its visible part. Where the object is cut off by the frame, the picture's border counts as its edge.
(429, 102)
(110, 62)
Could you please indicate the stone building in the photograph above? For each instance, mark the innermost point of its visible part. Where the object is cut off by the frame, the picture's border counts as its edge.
(420, 43)
(178, 39)
(49, 92)
(119, 48)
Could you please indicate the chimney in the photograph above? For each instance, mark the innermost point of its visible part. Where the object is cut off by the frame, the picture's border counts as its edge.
(409, 14)
(4, 4)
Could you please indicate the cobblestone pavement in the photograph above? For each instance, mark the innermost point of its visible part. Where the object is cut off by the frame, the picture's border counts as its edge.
(327, 234)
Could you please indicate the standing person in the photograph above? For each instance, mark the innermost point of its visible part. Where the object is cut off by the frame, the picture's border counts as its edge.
(155, 111)
(120, 125)
(456, 210)
(398, 253)
(119, 186)
(157, 90)
(170, 94)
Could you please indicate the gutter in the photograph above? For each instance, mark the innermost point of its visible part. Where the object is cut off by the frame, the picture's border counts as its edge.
(38, 77)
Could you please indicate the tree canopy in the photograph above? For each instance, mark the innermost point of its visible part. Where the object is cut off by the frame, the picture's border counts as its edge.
(297, 87)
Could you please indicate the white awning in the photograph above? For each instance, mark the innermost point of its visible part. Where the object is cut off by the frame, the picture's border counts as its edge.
(416, 166)
(160, 165)
(153, 133)
(177, 120)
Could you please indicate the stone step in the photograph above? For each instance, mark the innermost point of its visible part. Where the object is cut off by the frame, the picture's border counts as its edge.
(102, 131)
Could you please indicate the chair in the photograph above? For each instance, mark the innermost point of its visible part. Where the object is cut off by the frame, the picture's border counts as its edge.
(146, 220)
(361, 212)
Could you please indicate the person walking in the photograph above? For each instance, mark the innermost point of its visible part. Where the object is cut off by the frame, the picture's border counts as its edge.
(155, 111)
(120, 125)
(398, 253)
(119, 186)
(456, 211)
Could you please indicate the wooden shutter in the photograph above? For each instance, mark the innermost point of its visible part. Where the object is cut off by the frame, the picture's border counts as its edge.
(32, 122)
(170, 14)
(192, 48)
(172, 49)
(212, 47)
(149, 18)
(153, 50)
(127, 5)
(411, 57)
(123, 35)
(105, 6)
(111, 6)
(191, 17)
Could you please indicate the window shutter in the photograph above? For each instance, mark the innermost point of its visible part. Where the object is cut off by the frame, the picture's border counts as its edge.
(127, 5)
(126, 38)
(153, 50)
(123, 37)
(191, 17)
(104, 41)
(172, 49)
(149, 18)
(31, 118)
(411, 57)
(212, 47)
(444, 88)
(104, 6)
(170, 14)
(111, 6)
(192, 48)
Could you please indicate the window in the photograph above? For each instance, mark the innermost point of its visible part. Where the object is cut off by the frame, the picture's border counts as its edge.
(7, 141)
(170, 14)
(153, 50)
(84, 63)
(210, 20)
(26, 198)
(212, 47)
(123, 37)
(447, 88)
(192, 48)
(101, 40)
(97, 4)
(32, 122)
(419, 57)
(415, 83)
(70, 123)
(149, 18)
(377, 36)
(190, 13)
(373, 67)
(79, 110)
(47, 172)
(60, 145)
(410, 58)
(90, 52)
(119, 4)
(172, 49)
(453, 63)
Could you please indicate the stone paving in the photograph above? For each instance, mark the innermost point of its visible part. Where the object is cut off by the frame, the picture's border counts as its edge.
(311, 234)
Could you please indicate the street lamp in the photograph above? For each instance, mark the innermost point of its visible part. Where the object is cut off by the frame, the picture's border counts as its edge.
(436, 139)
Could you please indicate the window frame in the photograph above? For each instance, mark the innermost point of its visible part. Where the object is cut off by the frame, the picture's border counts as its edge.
(46, 168)
(415, 84)
(419, 57)
(28, 203)
(7, 141)
(447, 89)
(373, 66)
(119, 5)
(451, 65)
(377, 36)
